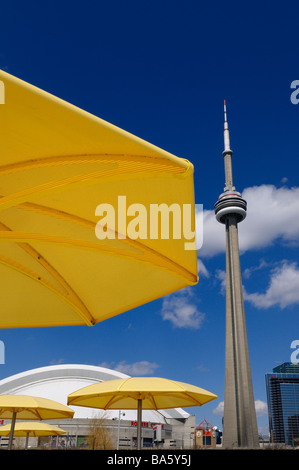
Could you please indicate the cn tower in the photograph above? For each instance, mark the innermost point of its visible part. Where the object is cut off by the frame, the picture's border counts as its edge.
(239, 421)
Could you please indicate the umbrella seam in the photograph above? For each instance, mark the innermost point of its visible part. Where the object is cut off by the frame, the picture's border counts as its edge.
(175, 268)
(41, 280)
(70, 296)
(88, 224)
(74, 159)
(20, 196)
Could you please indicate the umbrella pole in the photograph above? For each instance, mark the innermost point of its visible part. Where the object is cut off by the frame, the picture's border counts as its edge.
(27, 438)
(139, 418)
(12, 429)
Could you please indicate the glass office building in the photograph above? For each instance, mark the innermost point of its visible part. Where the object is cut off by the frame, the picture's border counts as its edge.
(283, 403)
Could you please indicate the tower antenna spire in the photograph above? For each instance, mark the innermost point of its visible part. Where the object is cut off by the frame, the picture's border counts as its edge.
(226, 131)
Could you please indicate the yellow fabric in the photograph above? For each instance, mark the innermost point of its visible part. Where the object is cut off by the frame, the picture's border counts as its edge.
(57, 164)
(156, 393)
(28, 407)
(32, 429)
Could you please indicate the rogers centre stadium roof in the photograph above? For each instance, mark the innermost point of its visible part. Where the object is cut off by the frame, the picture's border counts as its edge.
(57, 382)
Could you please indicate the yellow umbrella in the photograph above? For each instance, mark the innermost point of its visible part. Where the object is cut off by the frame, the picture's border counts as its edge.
(31, 429)
(31, 408)
(149, 393)
(80, 208)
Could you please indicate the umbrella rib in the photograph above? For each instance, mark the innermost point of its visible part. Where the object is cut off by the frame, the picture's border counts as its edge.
(41, 280)
(154, 401)
(71, 297)
(153, 254)
(37, 413)
(175, 394)
(161, 260)
(182, 167)
(87, 318)
(21, 196)
(112, 400)
(196, 402)
(187, 394)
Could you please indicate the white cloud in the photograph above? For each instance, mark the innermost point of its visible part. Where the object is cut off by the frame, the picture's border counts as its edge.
(221, 276)
(282, 290)
(201, 269)
(219, 410)
(261, 408)
(247, 272)
(202, 368)
(55, 362)
(181, 310)
(135, 369)
(272, 215)
(213, 236)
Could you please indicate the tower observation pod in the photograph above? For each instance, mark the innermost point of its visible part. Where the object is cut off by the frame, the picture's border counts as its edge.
(239, 421)
(230, 201)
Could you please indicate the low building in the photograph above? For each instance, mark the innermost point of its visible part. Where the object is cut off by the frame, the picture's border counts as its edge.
(205, 435)
(57, 382)
(283, 404)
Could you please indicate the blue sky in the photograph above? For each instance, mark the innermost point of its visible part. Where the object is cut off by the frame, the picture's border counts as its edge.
(161, 71)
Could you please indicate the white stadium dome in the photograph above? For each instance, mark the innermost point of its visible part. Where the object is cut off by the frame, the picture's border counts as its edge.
(57, 382)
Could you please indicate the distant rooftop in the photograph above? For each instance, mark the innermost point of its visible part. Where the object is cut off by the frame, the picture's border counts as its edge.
(286, 368)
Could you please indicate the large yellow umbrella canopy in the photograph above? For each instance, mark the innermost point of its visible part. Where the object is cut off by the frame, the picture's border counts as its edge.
(156, 393)
(140, 393)
(32, 429)
(63, 259)
(26, 407)
(31, 408)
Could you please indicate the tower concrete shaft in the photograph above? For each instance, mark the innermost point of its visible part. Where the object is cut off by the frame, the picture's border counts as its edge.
(239, 422)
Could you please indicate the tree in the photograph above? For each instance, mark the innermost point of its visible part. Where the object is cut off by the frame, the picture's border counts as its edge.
(100, 437)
